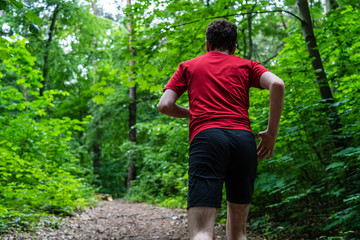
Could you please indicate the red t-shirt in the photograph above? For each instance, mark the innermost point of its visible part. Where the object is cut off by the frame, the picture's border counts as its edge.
(218, 89)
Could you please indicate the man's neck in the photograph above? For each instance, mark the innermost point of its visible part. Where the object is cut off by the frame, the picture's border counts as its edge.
(220, 51)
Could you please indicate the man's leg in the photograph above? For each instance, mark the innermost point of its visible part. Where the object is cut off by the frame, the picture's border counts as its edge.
(236, 221)
(201, 222)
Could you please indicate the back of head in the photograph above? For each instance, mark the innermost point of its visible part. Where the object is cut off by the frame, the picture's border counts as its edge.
(221, 34)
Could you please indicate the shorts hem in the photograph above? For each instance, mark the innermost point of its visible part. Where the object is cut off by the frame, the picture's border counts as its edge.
(204, 205)
(239, 202)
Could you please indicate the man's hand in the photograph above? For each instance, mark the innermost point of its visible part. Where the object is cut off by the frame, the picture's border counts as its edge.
(266, 145)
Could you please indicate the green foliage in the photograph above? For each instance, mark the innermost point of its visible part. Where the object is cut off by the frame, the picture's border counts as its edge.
(164, 163)
(3, 4)
(322, 180)
(4, 54)
(48, 143)
(31, 16)
(108, 130)
(39, 173)
(17, 3)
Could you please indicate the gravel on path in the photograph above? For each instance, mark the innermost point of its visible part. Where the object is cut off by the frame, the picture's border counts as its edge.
(123, 220)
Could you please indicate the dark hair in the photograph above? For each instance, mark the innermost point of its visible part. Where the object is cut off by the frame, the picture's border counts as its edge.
(221, 34)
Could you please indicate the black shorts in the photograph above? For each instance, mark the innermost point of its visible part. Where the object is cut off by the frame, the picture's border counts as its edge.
(218, 155)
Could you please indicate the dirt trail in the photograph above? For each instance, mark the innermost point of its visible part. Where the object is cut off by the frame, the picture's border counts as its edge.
(122, 220)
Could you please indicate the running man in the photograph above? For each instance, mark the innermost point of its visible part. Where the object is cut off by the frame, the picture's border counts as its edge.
(223, 147)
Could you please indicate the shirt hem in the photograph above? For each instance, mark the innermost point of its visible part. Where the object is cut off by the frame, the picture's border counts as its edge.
(232, 128)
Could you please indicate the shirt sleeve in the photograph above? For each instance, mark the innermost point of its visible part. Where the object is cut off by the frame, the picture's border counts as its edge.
(177, 82)
(256, 71)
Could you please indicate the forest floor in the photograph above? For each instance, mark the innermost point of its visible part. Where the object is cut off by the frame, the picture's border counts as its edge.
(120, 219)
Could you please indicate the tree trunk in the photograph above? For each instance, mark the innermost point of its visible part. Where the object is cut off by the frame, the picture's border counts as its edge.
(47, 49)
(283, 20)
(97, 152)
(132, 112)
(244, 43)
(249, 26)
(330, 5)
(94, 7)
(317, 65)
(97, 134)
(250, 35)
(207, 3)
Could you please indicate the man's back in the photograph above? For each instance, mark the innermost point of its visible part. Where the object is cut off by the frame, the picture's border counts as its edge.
(218, 88)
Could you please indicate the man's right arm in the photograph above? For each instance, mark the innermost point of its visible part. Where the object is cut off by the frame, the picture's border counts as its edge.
(167, 105)
(276, 86)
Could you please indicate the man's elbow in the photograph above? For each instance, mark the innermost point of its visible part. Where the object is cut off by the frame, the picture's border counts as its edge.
(163, 107)
(278, 84)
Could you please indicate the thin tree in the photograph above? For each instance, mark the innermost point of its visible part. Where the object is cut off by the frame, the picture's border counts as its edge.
(330, 5)
(132, 108)
(47, 48)
(250, 35)
(317, 65)
(97, 133)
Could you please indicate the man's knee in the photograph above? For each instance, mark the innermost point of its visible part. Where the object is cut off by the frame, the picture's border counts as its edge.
(203, 235)
(203, 213)
(201, 222)
(236, 221)
(239, 210)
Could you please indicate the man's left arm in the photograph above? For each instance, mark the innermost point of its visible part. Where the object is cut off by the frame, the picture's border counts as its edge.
(167, 105)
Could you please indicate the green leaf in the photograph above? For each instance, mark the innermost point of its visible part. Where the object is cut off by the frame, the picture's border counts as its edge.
(34, 29)
(4, 54)
(108, 90)
(335, 165)
(348, 152)
(3, 41)
(17, 3)
(31, 16)
(3, 4)
(99, 99)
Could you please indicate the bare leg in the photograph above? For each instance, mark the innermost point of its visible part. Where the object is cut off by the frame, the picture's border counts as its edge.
(236, 221)
(201, 222)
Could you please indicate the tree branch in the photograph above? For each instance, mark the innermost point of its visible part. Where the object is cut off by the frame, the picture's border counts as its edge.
(239, 14)
(267, 60)
(274, 56)
(47, 48)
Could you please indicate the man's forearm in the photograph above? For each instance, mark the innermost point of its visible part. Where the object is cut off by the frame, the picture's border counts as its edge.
(276, 105)
(176, 111)
(167, 105)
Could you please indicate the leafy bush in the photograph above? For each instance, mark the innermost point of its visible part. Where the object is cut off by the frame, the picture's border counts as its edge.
(39, 172)
(162, 169)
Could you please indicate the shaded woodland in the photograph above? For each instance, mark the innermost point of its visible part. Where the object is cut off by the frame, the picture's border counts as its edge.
(79, 88)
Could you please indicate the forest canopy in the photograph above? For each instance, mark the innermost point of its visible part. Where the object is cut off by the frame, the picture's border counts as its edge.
(79, 88)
